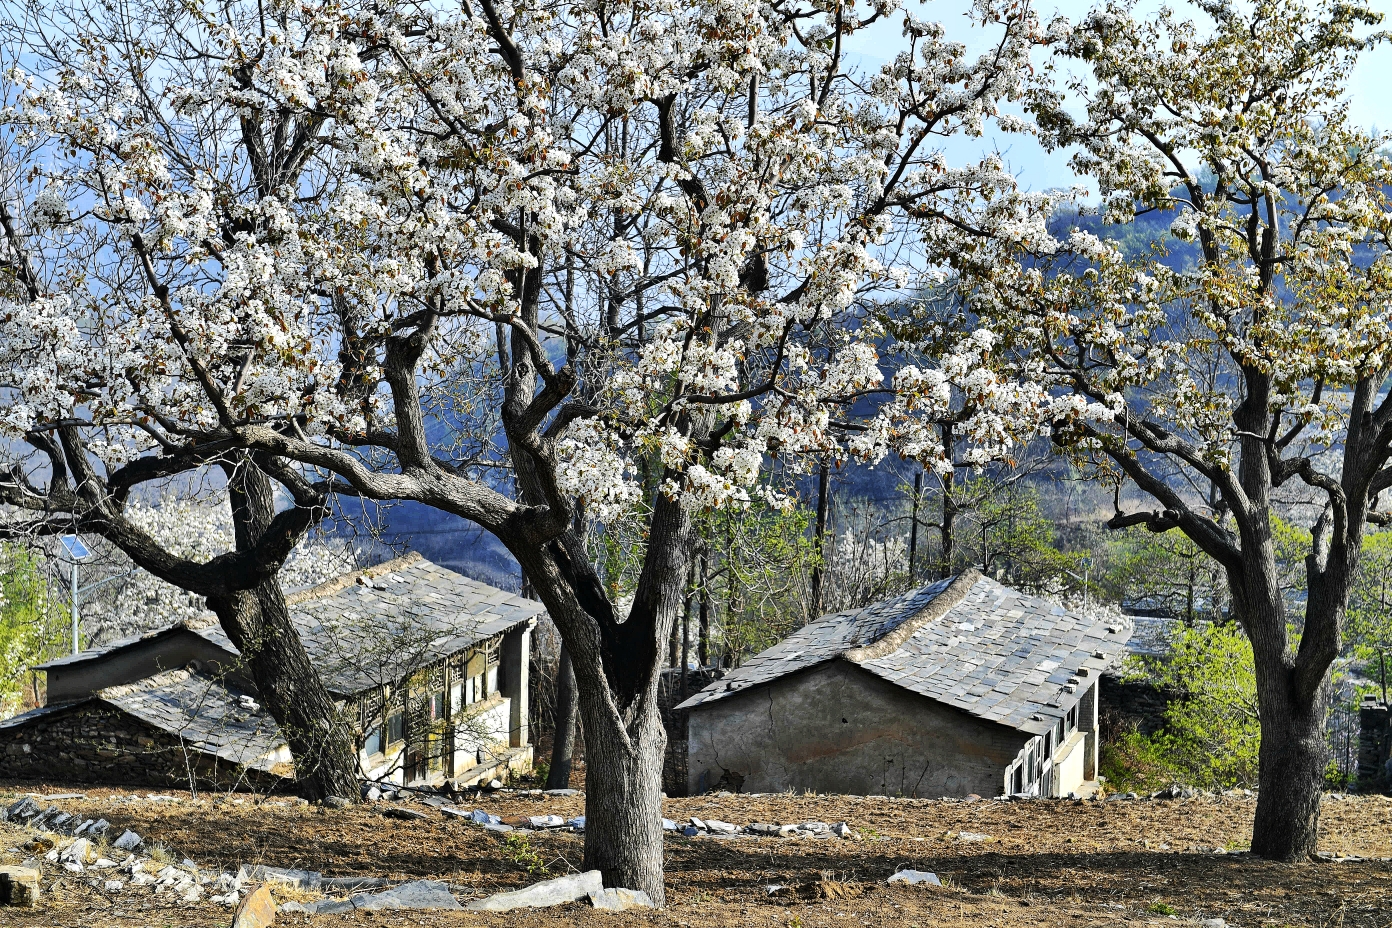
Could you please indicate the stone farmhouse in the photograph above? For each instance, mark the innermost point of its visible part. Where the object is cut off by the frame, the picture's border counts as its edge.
(961, 687)
(430, 667)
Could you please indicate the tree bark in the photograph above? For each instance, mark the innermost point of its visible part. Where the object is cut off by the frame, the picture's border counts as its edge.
(1293, 756)
(567, 711)
(258, 623)
(623, 798)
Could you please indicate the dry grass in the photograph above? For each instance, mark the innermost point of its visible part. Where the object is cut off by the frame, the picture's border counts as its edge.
(1042, 864)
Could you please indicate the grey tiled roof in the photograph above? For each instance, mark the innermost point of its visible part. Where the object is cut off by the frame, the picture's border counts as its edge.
(375, 626)
(997, 653)
(205, 713)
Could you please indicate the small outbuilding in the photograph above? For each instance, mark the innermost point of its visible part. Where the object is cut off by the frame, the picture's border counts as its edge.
(964, 686)
(429, 667)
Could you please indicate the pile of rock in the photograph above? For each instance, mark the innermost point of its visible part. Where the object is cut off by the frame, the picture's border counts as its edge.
(696, 827)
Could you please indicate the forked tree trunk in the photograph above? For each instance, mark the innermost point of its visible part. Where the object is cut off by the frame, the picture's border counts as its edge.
(623, 799)
(259, 625)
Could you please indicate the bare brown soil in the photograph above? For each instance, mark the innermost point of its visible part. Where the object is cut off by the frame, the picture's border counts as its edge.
(1039, 864)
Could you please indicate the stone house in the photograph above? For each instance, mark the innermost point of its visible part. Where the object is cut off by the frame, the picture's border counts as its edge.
(961, 687)
(430, 667)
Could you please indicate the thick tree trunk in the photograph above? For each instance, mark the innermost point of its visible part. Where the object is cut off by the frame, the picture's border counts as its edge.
(623, 799)
(258, 623)
(567, 711)
(1293, 757)
(287, 682)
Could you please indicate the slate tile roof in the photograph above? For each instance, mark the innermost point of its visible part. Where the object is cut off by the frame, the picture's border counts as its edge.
(207, 713)
(997, 653)
(375, 626)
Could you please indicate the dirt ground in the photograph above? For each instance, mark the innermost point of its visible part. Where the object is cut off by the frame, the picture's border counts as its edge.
(1021, 863)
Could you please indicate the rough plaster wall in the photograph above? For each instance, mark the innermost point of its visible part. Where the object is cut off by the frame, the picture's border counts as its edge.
(136, 662)
(838, 729)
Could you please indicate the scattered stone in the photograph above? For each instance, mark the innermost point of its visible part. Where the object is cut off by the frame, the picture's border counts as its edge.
(842, 830)
(972, 836)
(915, 877)
(971, 797)
(257, 910)
(373, 794)
(668, 825)
(691, 831)
(578, 823)
(546, 893)
(778, 889)
(104, 863)
(19, 886)
(77, 852)
(128, 841)
(494, 784)
(497, 827)
(56, 796)
(303, 879)
(720, 828)
(619, 900)
(546, 821)
(348, 884)
(336, 802)
(562, 792)
(1214, 923)
(410, 815)
(21, 810)
(113, 886)
(420, 894)
(763, 829)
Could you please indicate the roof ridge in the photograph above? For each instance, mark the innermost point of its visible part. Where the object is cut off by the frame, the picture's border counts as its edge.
(343, 581)
(153, 681)
(939, 606)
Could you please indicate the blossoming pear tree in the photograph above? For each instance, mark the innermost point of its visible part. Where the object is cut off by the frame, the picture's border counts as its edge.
(496, 258)
(1252, 378)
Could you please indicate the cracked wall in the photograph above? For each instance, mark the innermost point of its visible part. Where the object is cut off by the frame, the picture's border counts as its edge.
(835, 728)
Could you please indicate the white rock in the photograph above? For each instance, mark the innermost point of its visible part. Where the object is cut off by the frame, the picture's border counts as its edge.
(113, 886)
(972, 836)
(546, 893)
(128, 841)
(546, 821)
(668, 825)
(915, 877)
(72, 866)
(104, 863)
(77, 852)
(719, 827)
(697, 823)
(841, 830)
(618, 900)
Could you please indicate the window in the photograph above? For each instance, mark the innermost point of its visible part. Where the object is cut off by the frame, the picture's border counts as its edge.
(456, 697)
(396, 728)
(372, 742)
(491, 683)
(469, 697)
(1019, 780)
(437, 706)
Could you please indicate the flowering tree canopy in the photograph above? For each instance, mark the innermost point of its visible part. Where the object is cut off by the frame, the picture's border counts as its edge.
(583, 239)
(1254, 375)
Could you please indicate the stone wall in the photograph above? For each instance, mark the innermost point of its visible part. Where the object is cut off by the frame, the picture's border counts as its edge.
(1374, 747)
(93, 743)
(1131, 705)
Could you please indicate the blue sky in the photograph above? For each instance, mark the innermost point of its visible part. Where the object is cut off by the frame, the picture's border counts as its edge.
(1370, 91)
